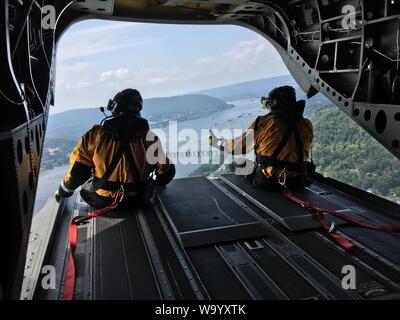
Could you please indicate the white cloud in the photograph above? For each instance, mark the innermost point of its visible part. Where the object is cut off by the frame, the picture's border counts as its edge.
(157, 75)
(144, 76)
(95, 40)
(246, 54)
(74, 76)
(109, 27)
(243, 57)
(80, 50)
(87, 84)
(118, 74)
(77, 67)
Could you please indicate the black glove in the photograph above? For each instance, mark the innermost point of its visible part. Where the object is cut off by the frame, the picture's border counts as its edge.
(166, 177)
(64, 192)
(57, 197)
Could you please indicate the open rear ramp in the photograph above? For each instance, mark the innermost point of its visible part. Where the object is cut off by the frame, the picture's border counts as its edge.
(210, 239)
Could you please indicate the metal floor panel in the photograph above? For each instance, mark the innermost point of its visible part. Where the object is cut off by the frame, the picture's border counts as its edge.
(196, 203)
(373, 274)
(220, 280)
(288, 213)
(126, 254)
(231, 233)
(122, 269)
(202, 214)
(292, 283)
(333, 261)
(183, 281)
(387, 244)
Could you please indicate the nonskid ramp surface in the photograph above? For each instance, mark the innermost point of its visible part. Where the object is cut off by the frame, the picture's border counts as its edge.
(122, 269)
(373, 210)
(135, 254)
(357, 206)
(375, 277)
(203, 214)
(128, 254)
(111, 258)
(286, 212)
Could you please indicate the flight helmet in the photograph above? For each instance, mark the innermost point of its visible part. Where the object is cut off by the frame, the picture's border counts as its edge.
(128, 100)
(279, 97)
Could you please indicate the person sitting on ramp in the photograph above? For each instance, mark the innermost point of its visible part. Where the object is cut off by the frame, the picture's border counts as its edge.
(282, 143)
(112, 158)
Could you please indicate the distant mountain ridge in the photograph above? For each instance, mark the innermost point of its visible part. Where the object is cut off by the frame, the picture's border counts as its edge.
(158, 111)
(261, 87)
(249, 89)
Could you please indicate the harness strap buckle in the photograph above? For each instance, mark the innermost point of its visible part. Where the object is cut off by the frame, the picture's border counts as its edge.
(120, 194)
(332, 228)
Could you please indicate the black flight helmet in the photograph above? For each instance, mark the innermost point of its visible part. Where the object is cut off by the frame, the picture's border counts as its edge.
(126, 101)
(280, 97)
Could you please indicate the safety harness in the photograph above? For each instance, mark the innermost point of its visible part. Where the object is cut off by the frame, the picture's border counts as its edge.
(272, 161)
(320, 213)
(69, 285)
(100, 183)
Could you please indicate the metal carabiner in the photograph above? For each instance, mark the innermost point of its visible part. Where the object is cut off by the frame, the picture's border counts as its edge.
(282, 178)
(121, 192)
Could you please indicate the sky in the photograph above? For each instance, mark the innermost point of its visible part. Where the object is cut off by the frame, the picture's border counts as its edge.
(96, 59)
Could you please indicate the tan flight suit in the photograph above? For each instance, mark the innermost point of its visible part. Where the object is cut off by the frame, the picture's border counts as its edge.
(267, 136)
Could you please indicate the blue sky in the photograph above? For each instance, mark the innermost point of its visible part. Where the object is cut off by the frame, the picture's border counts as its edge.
(98, 58)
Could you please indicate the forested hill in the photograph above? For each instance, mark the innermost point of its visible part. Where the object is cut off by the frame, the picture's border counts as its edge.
(158, 111)
(344, 151)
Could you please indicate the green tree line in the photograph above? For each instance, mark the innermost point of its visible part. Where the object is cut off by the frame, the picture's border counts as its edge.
(344, 151)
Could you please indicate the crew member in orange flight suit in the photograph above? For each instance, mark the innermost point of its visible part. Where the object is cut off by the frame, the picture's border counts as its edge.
(122, 140)
(282, 142)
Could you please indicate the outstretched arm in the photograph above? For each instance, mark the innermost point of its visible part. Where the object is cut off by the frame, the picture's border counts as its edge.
(239, 145)
(81, 164)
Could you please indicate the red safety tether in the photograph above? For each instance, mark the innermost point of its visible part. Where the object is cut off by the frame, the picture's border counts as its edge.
(69, 284)
(320, 213)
